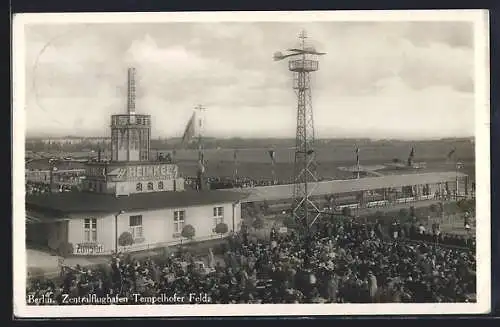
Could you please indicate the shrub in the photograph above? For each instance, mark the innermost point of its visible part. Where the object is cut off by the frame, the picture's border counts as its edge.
(125, 239)
(188, 232)
(65, 249)
(221, 228)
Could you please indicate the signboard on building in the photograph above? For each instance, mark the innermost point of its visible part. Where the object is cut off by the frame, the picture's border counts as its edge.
(144, 172)
(88, 249)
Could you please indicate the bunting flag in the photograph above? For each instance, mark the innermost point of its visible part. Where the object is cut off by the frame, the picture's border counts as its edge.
(272, 154)
(189, 132)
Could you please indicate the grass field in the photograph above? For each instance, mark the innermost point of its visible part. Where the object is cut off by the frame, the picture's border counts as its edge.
(255, 162)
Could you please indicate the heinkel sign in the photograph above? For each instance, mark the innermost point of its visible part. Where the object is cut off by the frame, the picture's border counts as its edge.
(144, 172)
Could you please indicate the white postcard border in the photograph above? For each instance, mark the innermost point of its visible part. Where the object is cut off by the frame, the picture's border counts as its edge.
(482, 143)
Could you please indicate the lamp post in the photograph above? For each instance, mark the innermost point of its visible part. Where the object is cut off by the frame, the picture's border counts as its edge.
(116, 230)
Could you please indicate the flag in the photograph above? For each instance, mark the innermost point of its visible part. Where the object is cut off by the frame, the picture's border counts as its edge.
(412, 153)
(357, 156)
(272, 154)
(189, 132)
(451, 153)
(235, 155)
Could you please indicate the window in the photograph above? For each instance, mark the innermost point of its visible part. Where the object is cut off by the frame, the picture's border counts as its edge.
(90, 229)
(136, 226)
(150, 186)
(138, 187)
(179, 219)
(160, 185)
(218, 215)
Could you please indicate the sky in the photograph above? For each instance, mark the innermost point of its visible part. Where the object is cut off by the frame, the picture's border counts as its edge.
(402, 80)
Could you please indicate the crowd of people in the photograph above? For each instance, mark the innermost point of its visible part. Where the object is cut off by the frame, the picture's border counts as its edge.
(344, 262)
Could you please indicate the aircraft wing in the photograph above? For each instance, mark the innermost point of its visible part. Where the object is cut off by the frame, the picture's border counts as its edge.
(306, 51)
(280, 56)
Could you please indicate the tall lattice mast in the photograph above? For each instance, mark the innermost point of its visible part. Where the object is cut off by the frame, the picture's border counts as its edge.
(303, 62)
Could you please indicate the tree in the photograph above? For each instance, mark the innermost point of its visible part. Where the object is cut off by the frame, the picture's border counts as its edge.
(125, 239)
(221, 228)
(188, 232)
(258, 223)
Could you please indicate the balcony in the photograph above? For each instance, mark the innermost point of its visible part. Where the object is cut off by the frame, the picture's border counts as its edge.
(305, 65)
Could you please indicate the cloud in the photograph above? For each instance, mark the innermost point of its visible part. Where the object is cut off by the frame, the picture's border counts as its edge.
(374, 79)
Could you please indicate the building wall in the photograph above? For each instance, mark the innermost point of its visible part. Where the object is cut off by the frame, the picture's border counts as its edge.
(157, 227)
(56, 233)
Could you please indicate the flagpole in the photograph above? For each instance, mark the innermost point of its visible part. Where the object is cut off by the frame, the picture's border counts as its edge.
(272, 154)
(456, 179)
(357, 162)
(235, 162)
(273, 172)
(201, 158)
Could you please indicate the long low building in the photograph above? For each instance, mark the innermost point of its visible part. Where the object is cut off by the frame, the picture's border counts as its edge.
(93, 222)
(398, 186)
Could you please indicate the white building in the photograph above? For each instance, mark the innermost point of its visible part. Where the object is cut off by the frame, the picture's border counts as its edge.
(93, 222)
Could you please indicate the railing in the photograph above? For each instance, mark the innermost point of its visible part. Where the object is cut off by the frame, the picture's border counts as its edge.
(305, 65)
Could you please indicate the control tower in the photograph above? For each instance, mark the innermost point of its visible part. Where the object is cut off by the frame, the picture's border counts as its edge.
(130, 169)
(130, 133)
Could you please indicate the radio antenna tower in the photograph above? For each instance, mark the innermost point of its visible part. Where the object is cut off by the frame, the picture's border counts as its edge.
(303, 61)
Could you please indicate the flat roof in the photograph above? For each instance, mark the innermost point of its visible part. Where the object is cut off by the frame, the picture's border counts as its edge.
(43, 164)
(80, 202)
(283, 192)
